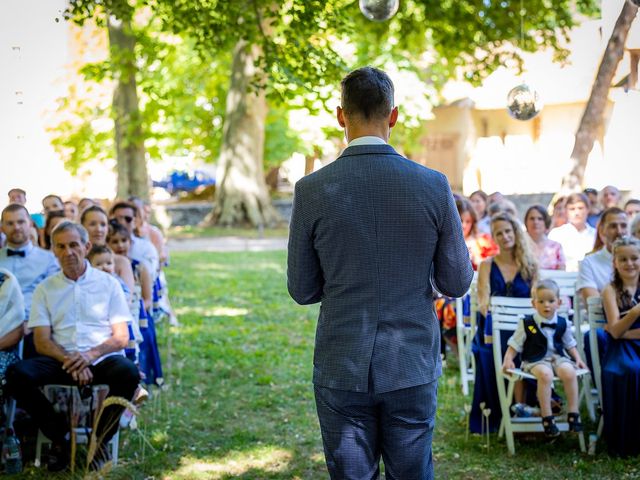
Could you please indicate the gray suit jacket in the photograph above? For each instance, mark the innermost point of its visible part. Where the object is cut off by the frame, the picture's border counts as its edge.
(369, 235)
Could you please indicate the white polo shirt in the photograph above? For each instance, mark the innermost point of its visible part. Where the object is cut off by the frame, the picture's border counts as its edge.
(575, 244)
(596, 270)
(80, 313)
(11, 303)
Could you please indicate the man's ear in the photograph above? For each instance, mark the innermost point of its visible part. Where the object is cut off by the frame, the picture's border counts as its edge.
(340, 116)
(393, 117)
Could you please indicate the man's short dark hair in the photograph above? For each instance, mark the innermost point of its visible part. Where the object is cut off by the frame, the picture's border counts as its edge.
(13, 207)
(18, 190)
(119, 205)
(368, 93)
(610, 211)
(632, 201)
(578, 198)
(51, 195)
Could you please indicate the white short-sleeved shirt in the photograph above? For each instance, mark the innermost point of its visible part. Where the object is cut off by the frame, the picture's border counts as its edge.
(596, 270)
(575, 244)
(519, 336)
(11, 303)
(143, 250)
(80, 313)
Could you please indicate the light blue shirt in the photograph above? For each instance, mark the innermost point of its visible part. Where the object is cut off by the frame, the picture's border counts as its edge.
(366, 140)
(30, 270)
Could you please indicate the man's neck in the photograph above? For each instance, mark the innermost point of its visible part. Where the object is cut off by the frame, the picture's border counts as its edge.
(74, 275)
(580, 227)
(15, 246)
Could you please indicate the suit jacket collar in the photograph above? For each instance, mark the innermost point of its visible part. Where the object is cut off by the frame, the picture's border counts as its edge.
(382, 149)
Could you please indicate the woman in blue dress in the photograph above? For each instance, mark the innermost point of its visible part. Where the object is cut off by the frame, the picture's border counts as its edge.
(621, 364)
(148, 356)
(510, 273)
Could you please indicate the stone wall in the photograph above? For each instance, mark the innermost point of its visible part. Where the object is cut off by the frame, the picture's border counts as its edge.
(192, 213)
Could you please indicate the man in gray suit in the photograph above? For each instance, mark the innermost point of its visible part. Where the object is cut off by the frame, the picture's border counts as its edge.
(371, 234)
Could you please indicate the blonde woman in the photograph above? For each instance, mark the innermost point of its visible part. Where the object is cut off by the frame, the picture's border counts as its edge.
(510, 273)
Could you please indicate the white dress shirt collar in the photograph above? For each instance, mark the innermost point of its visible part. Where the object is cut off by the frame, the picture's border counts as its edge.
(366, 140)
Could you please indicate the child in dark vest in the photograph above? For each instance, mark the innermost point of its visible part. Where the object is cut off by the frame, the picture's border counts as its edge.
(543, 341)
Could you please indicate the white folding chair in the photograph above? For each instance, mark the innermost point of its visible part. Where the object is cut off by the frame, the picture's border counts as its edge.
(506, 312)
(465, 330)
(595, 315)
(66, 399)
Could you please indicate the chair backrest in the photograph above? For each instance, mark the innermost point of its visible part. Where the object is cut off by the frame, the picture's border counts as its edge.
(506, 312)
(595, 315)
(567, 283)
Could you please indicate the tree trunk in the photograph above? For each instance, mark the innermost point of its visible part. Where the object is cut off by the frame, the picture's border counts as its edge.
(242, 197)
(130, 153)
(592, 117)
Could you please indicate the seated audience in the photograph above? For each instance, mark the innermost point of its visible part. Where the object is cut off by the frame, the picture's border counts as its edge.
(85, 203)
(94, 220)
(79, 318)
(546, 346)
(596, 270)
(71, 210)
(51, 203)
(609, 197)
(503, 206)
(11, 327)
(634, 228)
(142, 250)
(576, 236)
(632, 207)
(509, 273)
(559, 215)
(594, 206)
(29, 263)
(54, 217)
(621, 363)
(119, 240)
(17, 195)
(479, 200)
(548, 253)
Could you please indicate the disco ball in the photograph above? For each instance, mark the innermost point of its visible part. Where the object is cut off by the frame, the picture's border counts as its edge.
(379, 10)
(523, 102)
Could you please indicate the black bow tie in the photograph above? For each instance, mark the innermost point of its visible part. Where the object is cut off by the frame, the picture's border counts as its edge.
(550, 325)
(11, 253)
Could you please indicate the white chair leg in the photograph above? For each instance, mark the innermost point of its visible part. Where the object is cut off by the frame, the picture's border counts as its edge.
(583, 447)
(115, 441)
(511, 446)
(40, 440)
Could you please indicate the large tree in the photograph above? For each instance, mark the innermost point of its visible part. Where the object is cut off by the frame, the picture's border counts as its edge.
(593, 116)
(290, 50)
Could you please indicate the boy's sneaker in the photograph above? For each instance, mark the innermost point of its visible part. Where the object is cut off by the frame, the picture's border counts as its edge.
(575, 425)
(550, 428)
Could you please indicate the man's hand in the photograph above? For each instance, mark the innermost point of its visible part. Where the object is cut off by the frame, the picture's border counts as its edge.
(83, 377)
(74, 362)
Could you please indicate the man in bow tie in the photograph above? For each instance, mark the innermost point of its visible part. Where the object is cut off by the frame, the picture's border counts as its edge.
(28, 263)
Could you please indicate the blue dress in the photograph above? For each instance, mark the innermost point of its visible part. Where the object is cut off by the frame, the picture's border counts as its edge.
(621, 390)
(485, 388)
(149, 356)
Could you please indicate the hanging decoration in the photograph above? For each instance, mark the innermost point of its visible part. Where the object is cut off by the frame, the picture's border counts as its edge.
(523, 102)
(379, 10)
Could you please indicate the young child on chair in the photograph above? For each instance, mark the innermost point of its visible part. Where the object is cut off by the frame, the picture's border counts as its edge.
(543, 341)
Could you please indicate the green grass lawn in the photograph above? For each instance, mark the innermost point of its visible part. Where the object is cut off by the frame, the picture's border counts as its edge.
(239, 401)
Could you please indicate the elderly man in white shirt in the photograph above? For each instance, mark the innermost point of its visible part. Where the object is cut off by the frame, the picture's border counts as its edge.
(79, 319)
(28, 263)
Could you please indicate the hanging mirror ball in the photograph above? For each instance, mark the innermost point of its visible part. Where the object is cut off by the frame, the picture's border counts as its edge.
(379, 10)
(523, 102)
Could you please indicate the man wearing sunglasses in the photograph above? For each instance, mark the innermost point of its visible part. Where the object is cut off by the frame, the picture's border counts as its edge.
(125, 214)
